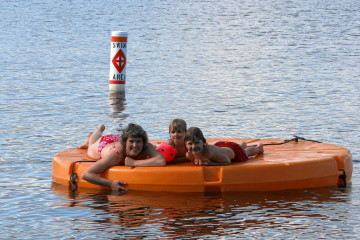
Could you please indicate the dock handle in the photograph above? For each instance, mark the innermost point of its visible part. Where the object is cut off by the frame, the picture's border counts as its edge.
(74, 176)
(342, 177)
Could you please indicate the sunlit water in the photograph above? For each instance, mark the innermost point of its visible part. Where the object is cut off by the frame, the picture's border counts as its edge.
(266, 69)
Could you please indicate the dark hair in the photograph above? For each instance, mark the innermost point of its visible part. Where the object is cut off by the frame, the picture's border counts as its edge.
(133, 130)
(178, 125)
(193, 133)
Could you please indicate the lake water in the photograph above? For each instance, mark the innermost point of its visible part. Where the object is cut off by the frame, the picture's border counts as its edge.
(264, 69)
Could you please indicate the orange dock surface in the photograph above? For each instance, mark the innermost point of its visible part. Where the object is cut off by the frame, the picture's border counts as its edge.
(293, 165)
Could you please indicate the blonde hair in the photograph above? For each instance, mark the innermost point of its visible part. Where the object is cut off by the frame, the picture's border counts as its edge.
(178, 125)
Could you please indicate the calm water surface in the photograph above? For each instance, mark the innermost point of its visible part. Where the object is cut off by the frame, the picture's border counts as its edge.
(265, 69)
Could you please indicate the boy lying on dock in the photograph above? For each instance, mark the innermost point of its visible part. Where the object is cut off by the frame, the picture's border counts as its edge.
(221, 153)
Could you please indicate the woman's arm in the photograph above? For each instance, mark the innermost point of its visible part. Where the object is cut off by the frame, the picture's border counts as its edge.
(155, 159)
(92, 174)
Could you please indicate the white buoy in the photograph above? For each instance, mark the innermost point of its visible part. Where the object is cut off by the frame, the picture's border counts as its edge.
(117, 78)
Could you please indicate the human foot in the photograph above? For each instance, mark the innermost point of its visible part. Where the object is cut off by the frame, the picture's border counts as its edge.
(261, 148)
(101, 127)
(85, 145)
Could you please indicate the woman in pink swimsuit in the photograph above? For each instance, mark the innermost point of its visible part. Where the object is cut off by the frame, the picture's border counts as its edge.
(131, 149)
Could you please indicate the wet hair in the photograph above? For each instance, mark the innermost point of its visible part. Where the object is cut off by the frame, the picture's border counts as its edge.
(178, 125)
(135, 131)
(193, 133)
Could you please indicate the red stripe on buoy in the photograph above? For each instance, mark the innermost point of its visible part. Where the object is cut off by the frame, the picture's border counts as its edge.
(116, 82)
(118, 39)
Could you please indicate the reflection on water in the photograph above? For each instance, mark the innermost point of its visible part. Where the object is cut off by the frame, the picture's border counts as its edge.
(175, 215)
(117, 102)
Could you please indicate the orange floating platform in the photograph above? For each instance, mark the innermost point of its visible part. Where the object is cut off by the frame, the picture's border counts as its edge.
(293, 165)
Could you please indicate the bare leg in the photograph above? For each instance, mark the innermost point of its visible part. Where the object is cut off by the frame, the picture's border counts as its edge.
(94, 139)
(85, 145)
(96, 134)
(243, 145)
(253, 150)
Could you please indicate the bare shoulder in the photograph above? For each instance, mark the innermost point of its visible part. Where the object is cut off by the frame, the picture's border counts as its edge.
(212, 149)
(215, 152)
(149, 147)
(148, 151)
(170, 142)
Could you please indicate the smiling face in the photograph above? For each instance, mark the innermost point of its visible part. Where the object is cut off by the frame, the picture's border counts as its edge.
(195, 146)
(177, 135)
(134, 146)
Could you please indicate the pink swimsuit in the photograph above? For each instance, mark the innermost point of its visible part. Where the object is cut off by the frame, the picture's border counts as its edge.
(105, 140)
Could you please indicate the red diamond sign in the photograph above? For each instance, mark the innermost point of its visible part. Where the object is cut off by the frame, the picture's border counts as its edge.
(119, 61)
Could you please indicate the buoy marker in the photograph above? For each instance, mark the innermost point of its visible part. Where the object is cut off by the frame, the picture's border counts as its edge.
(117, 76)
